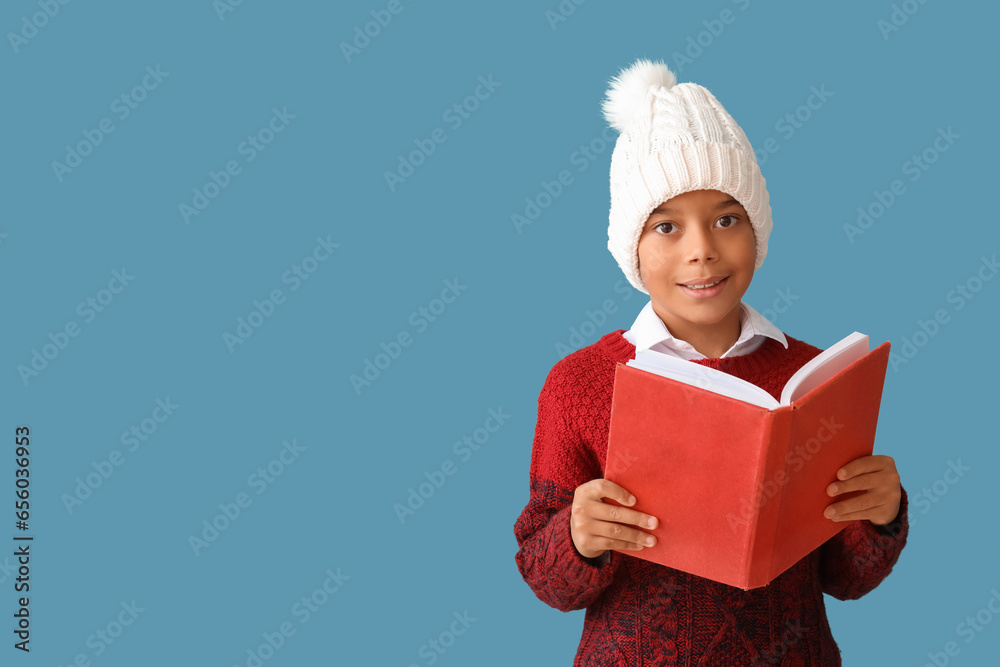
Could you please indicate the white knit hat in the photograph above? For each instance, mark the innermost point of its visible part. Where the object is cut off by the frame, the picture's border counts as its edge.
(674, 138)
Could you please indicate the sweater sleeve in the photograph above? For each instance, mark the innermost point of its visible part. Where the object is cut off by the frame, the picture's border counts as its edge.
(856, 560)
(560, 461)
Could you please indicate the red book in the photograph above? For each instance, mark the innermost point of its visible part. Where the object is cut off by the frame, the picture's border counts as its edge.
(740, 488)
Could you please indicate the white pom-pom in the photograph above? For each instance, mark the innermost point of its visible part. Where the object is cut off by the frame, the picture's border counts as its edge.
(628, 91)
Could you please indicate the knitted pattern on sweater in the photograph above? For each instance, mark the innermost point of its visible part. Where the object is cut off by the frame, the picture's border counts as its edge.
(644, 614)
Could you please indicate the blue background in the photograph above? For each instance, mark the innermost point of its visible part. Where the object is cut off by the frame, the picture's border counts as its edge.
(524, 291)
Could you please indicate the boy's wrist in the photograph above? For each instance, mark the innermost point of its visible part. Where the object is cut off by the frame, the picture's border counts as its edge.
(893, 527)
(597, 560)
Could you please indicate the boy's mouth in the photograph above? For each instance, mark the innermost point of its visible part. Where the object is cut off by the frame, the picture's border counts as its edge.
(701, 288)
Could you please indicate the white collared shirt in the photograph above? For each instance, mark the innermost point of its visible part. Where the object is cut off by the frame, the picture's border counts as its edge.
(649, 332)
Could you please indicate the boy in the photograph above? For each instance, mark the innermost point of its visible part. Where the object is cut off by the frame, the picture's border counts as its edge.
(688, 226)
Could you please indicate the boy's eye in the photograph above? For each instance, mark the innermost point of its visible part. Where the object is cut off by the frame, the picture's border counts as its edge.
(727, 220)
(666, 227)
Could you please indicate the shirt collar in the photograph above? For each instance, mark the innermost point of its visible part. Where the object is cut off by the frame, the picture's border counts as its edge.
(648, 330)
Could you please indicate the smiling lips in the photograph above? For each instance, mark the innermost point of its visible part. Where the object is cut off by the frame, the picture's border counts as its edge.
(703, 288)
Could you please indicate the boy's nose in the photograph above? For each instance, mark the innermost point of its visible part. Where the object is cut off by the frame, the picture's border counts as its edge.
(700, 246)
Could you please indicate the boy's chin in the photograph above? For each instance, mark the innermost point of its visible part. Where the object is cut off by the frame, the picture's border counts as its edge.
(706, 314)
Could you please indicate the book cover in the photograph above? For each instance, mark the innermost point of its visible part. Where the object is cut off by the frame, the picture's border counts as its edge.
(739, 489)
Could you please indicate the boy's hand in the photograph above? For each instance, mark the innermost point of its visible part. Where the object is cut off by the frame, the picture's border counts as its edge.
(876, 475)
(597, 526)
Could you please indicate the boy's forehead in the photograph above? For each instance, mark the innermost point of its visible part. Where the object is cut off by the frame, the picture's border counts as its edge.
(710, 198)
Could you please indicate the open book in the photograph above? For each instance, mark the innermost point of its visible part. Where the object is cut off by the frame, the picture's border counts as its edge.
(737, 479)
(818, 370)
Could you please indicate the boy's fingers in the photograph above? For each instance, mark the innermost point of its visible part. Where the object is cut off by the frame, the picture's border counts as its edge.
(855, 516)
(606, 489)
(616, 514)
(856, 483)
(863, 465)
(861, 504)
(608, 543)
(620, 534)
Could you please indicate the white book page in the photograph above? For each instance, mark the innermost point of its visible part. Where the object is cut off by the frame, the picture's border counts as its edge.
(824, 366)
(814, 373)
(702, 376)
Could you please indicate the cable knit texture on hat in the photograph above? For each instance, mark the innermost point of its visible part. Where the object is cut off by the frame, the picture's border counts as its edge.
(674, 138)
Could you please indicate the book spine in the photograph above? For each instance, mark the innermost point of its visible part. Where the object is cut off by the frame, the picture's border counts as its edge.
(768, 495)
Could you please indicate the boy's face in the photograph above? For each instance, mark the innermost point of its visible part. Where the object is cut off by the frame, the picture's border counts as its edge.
(698, 238)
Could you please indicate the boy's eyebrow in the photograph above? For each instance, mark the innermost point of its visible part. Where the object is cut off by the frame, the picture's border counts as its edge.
(662, 208)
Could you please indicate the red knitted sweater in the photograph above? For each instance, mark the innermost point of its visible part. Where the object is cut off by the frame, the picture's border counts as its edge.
(642, 614)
